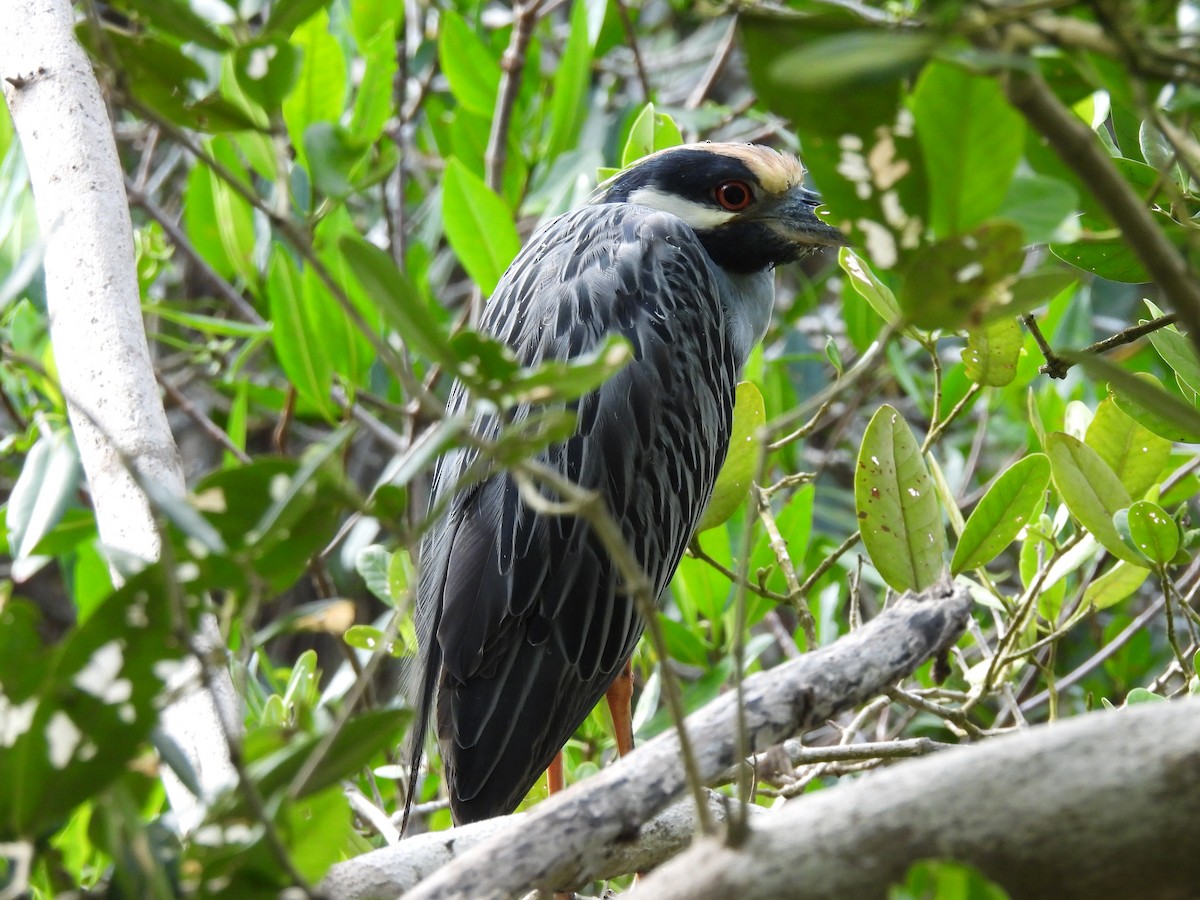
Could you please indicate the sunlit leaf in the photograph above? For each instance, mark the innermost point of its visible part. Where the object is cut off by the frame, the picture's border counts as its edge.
(479, 226)
(1006, 509)
(1119, 582)
(1147, 527)
(1091, 490)
(1134, 452)
(741, 463)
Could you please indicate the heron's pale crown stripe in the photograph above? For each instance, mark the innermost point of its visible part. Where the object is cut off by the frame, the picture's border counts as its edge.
(697, 216)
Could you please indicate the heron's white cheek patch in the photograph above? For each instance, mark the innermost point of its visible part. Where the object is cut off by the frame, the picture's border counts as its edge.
(698, 216)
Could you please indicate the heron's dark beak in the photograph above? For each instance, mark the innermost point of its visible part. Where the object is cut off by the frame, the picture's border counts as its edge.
(795, 218)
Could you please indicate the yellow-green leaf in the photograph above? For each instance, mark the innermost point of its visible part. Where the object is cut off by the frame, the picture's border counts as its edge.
(1134, 452)
(478, 225)
(741, 463)
(992, 351)
(1007, 507)
(898, 511)
(1114, 585)
(1092, 491)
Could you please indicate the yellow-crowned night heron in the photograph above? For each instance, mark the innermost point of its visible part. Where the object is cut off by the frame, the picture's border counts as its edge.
(522, 617)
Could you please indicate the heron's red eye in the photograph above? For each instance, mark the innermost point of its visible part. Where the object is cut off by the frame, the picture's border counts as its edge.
(734, 195)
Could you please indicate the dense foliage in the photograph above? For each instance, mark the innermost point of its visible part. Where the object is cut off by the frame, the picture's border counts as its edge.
(324, 194)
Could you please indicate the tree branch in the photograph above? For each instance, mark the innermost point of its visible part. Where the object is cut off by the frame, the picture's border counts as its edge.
(554, 846)
(1082, 152)
(1099, 806)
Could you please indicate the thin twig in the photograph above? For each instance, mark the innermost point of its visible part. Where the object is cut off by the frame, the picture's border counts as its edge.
(512, 67)
(1057, 367)
(631, 36)
(796, 598)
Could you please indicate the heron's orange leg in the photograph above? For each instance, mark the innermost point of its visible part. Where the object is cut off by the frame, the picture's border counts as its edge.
(620, 703)
(554, 775)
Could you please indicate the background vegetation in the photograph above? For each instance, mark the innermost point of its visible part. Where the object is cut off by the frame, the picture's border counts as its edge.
(324, 194)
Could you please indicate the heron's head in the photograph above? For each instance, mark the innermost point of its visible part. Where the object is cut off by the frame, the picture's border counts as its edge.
(746, 203)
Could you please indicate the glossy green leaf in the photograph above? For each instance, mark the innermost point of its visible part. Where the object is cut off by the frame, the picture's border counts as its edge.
(370, 639)
(1150, 530)
(1009, 505)
(468, 64)
(960, 276)
(1178, 353)
(1112, 259)
(650, 132)
(45, 488)
(287, 15)
(992, 352)
(1091, 490)
(1143, 397)
(742, 460)
(479, 226)
(371, 563)
(898, 512)
(868, 286)
(299, 344)
(178, 19)
(972, 141)
(1120, 581)
(320, 91)
(568, 102)
(1134, 452)
(373, 103)
(1044, 207)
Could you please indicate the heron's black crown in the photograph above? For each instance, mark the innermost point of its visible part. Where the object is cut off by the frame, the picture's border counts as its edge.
(746, 203)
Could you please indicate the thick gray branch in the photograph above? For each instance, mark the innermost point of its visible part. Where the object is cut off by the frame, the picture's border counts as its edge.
(1100, 806)
(561, 842)
(393, 870)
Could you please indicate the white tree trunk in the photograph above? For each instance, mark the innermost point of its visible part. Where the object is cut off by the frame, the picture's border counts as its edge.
(95, 316)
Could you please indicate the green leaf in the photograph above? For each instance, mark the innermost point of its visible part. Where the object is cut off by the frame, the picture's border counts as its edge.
(1143, 397)
(266, 71)
(961, 276)
(468, 65)
(741, 463)
(233, 215)
(1134, 452)
(1119, 582)
(1044, 207)
(568, 103)
(992, 352)
(972, 141)
(854, 58)
(1091, 490)
(1178, 353)
(287, 15)
(650, 132)
(369, 639)
(299, 343)
(332, 155)
(898, 511)
(77, 713)
(1009, 505)
(43, 491)
(373, 103)
(360, 738)
(178, 19)
(398, 300)
(478, 225)
(320, 91)
(1151, 531)
(868, 286)
(1110, 259)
